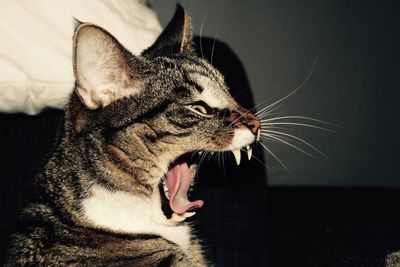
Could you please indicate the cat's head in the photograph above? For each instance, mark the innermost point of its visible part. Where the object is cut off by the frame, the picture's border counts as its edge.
(150, 113)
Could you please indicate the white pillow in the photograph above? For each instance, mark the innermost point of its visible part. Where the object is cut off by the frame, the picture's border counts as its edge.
(36, 45)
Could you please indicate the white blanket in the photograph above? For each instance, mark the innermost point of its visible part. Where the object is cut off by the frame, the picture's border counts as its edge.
(36, 45)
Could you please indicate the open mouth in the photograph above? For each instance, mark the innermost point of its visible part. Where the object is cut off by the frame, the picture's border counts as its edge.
(175, 186)
(175, 189)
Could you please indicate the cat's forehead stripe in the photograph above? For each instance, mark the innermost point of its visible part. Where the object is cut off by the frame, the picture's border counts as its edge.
(201, 68)
(212, 100)
(211, 93)
(195, 85)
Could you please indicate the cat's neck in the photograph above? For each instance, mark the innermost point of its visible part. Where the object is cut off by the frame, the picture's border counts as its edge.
(126, 213)
(92, 189)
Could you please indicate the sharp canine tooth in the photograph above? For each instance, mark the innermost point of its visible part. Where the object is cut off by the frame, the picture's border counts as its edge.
(249, 152)
(189, 214)
(258, 134)
(200, 152)
(166, 190)
(236, 153)
(177, 218)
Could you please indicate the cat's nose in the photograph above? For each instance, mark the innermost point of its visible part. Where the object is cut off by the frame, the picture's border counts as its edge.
(251, 121)
(254, 125)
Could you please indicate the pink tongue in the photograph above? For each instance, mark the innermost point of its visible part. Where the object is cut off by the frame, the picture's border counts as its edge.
(178, 183)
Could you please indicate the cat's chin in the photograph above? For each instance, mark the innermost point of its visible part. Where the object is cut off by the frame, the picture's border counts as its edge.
(175, 187)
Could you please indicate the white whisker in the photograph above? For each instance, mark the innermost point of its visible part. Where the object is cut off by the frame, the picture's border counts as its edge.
(294, 91)
(262, 163)
(250, 110)
(201, 33)
(289, 144)
(302, 117)
(296, 138)
(269, 139)
(213, 45)
(266, 123)
(268, 112)
(223, 163)
(280, 162)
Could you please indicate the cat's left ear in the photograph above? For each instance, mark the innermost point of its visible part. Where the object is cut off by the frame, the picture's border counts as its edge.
(176, 37)
(104, 70)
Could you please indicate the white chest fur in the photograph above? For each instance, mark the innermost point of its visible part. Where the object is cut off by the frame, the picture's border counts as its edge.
(126, 213)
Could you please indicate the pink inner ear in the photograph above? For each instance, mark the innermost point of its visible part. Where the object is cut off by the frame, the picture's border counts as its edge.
(86, 98)
(101, 68)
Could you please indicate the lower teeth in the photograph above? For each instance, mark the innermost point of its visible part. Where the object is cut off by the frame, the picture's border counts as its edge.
(189, 214)
(166, 191)
(180, 218)
(177, 218)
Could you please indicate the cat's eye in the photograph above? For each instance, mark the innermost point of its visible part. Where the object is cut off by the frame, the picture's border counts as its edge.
(202, 108)
(199, 108)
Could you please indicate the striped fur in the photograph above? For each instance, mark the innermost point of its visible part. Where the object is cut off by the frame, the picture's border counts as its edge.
(128, 118)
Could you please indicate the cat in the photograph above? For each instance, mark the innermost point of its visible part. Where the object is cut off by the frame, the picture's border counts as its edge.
(115, 190)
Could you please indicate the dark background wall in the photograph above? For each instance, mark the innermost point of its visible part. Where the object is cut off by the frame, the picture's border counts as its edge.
(354, 83)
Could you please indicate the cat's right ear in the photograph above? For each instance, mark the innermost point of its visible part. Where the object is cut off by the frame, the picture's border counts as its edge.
(104, 70)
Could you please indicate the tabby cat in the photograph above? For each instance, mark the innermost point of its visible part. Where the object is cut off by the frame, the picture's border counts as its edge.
(115, 190)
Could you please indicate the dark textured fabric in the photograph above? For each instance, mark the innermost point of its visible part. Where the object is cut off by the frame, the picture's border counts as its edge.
(25, 142)
(332, 226)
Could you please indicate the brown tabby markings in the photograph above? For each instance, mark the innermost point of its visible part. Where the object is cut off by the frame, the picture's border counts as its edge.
(130, 121)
